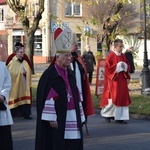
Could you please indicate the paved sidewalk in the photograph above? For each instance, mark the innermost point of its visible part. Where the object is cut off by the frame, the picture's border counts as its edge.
(40, 68)
(103, 136)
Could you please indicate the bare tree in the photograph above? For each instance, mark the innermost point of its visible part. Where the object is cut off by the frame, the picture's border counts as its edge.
(3, 47)
(29, 27)
(133, 40)
(112, 17)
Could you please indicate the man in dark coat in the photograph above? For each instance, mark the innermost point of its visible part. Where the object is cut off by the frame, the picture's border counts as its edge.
(89, 60)
(59, 109)
(129, 56)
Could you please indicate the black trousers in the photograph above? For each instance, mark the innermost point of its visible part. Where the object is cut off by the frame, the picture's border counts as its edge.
(21, 111)
(6, 138)
(90, 77)
(73, 144)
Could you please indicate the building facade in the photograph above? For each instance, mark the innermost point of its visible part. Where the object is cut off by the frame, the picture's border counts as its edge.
(44, 48)
(56, 14)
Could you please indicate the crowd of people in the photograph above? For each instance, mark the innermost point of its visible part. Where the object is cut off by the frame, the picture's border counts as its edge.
(63, 100)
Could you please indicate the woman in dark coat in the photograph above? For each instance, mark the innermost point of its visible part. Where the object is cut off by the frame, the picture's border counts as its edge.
(129, 56)
(89, 60)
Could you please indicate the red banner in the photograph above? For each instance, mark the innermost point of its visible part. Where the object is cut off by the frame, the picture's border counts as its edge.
(100, 77)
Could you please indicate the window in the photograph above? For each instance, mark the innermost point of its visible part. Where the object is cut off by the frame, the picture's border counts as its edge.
(72, 9)
(27, 10)
(78, 37)
(38, 45)
(1, 14)
(31, 9)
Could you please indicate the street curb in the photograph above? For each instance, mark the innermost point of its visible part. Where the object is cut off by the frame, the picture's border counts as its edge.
(133, 116)
(138, 116)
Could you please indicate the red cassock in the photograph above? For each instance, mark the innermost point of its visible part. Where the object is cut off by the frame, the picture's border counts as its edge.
(115, 84)
(87, 97)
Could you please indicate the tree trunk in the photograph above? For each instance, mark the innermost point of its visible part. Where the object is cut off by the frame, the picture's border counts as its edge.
(108, 42)
(29, 48)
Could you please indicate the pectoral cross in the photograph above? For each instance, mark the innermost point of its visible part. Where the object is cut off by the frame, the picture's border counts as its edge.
(69, 96)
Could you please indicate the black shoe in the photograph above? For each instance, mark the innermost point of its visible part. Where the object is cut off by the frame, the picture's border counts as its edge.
(112, 118)
(108, 119)
(129, 89)
(121, 122)
(28, 117)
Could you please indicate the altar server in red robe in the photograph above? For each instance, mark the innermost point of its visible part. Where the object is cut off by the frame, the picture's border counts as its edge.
(115, 99)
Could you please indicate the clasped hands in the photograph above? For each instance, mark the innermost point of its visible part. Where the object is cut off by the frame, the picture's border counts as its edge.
(53, 124)
(123, 65)
(24, 73)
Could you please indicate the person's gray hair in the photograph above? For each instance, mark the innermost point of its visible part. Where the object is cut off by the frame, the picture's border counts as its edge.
(131, 47)
(87, 46)
(58, 55)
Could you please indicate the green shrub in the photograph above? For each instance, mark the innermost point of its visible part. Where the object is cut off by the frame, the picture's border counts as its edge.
(34, 89)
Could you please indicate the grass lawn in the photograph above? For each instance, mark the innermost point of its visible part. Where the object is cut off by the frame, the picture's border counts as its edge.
(34, 89)
(140, 104)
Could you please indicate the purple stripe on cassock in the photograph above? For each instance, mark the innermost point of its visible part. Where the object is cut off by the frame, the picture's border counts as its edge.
(71, 129)
(71, 122)
(82, 115)
(49, 112)
(49, 109)
(71, 126)
(79, 93)
(81, 111)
